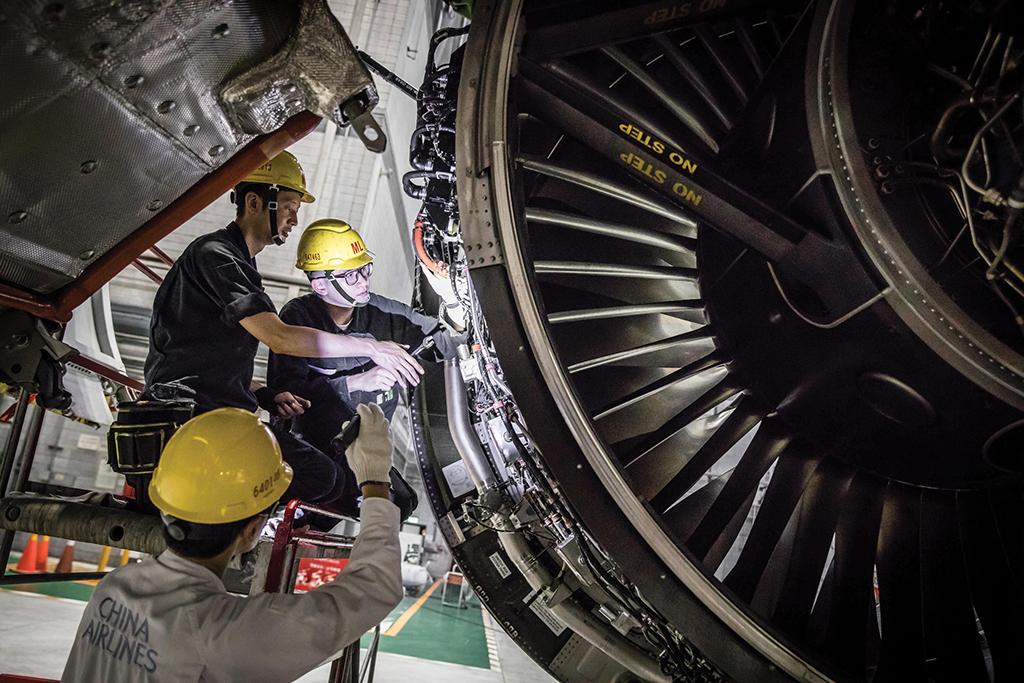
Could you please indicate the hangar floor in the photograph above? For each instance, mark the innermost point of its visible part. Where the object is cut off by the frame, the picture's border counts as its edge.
(40, 621)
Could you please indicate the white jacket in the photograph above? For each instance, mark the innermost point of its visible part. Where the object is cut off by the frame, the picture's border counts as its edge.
(169, 619)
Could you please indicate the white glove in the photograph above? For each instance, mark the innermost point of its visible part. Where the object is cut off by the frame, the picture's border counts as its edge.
(452, 312)
(442, 284)
(370, 455)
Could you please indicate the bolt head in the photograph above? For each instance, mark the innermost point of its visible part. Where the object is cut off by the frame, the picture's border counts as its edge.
(89, 166)
(99, 50)
(191, 130)
(87, 254)
(53, 12)
(17, 216)
(166, 106)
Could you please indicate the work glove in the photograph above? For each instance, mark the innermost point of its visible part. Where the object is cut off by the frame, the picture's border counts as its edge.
(452, 311)
(370, 455)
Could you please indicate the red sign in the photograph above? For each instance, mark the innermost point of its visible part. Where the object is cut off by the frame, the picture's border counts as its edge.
(316, 571)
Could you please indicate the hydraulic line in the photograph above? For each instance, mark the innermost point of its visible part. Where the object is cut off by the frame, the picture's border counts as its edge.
(435, 267)
(965, 172)
(467, 442)
(586, 625)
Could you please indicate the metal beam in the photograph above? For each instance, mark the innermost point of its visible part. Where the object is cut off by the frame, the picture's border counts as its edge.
(60, 305)
(86, 522)
(104, 370)
(7, 466)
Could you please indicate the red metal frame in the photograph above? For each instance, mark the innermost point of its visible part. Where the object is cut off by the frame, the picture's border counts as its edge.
(104, 370)
(147, 271)
(346, 667)
(285, 534)
(59, 305)
(160, 254)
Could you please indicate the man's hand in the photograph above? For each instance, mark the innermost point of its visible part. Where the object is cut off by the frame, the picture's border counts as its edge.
(396, 359)
(290, 405)
(375, 379)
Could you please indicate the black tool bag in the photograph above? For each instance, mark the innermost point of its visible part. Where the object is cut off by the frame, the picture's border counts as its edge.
(143, 428)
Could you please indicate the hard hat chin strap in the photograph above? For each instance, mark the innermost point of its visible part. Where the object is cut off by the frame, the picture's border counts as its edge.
(271, 199)
(175, 529)
(352, 303)
(180, 530)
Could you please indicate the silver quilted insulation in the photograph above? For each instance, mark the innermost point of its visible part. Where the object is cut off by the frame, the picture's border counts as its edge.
(317, 70)
(109, 113)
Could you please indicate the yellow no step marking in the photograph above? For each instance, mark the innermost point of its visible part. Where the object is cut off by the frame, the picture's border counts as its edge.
(407, 614)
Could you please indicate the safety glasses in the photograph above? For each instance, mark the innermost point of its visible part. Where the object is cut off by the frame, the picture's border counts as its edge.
(351, 277)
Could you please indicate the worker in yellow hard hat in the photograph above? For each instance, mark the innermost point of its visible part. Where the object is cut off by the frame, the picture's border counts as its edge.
(169, 618)
(338, 264)
(211, 312)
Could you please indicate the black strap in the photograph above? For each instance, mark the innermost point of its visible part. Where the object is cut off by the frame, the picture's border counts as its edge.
(265, 398)
(271, 199)
(334, 281)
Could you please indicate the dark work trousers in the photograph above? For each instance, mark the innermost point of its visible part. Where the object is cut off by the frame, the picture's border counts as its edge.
(314, 430)
(318, 478)
(323, 420)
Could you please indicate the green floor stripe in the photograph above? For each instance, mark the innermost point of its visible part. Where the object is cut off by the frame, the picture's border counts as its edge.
(71, 590)
(438, 633)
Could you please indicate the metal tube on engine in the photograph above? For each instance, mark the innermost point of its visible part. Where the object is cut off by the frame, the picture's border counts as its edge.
(589, 627)
(467, 442)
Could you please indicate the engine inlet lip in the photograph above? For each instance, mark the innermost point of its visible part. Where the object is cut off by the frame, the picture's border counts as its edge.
(1004, 450)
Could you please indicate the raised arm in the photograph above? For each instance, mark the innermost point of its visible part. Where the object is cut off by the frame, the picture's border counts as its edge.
(285, 635)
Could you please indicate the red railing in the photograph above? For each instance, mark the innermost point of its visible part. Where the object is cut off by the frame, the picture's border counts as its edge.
(59, 305)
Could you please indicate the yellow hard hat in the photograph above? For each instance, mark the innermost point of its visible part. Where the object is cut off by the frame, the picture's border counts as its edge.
(330, 244)
(283, 171)
(222, 466)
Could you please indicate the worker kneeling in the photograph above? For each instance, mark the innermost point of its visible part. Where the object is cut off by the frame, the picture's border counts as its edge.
(169, 618)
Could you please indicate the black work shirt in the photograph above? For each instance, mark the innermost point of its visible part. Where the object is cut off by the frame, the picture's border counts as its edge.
(194, 335)
(322, 379)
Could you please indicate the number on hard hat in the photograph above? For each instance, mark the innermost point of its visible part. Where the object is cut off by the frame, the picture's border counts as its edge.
(222, 466)
(330, 244)
(283, 172)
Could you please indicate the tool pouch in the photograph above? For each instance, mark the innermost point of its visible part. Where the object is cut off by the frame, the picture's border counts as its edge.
(142, 429)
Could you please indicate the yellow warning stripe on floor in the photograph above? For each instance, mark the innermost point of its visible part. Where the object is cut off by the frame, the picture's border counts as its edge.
(401, 621)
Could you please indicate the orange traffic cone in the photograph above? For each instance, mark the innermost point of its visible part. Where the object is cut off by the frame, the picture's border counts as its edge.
(67, 558)
(43, 553)
(27, 561)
